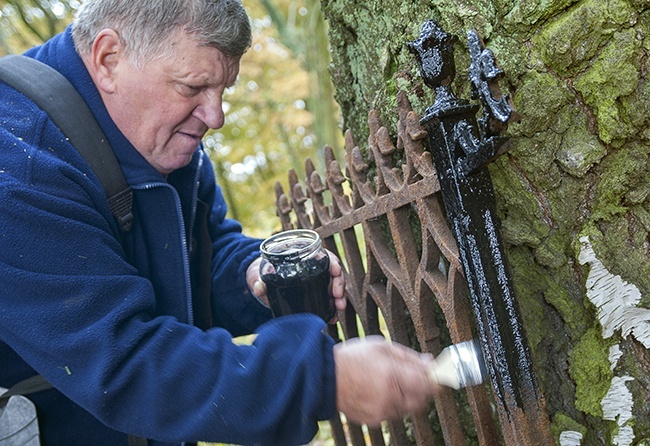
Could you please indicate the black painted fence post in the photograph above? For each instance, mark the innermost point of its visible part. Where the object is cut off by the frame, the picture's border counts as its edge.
(461, 147)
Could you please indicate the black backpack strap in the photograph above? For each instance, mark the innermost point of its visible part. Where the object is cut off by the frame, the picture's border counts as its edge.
(52, 92)
(25, 387)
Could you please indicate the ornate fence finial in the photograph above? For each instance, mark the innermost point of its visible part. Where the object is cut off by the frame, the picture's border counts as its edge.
(484, 75)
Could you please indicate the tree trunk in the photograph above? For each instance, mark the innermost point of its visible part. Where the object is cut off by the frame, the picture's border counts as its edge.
(572, 191)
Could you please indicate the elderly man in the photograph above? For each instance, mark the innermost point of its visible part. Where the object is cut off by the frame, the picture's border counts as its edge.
(119, 324)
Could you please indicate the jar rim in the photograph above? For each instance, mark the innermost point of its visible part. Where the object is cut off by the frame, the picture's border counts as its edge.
(277, 246)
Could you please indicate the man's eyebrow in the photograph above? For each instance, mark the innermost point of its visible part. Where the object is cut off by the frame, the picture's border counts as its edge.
(204, 80)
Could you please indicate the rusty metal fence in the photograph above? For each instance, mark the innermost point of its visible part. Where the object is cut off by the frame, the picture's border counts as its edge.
(387, 223)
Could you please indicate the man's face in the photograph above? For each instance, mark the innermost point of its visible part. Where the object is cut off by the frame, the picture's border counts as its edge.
(165, 107)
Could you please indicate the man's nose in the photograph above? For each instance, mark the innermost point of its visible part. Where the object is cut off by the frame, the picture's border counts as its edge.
(210, 110)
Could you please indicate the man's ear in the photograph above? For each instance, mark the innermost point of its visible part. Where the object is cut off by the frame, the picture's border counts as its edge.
(106, 53)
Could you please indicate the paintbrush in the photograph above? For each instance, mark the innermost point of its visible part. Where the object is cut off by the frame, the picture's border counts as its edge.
(459, 365)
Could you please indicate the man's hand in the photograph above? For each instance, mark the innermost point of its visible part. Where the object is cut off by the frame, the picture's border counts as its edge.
(336, 286)
(255, 283)
(337, 281)
(377, 380)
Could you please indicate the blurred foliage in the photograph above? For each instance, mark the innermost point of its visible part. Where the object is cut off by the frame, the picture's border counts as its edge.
(280, 112)
(25, 23)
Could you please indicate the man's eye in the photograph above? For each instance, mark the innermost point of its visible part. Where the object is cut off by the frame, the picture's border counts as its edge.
(189, 90)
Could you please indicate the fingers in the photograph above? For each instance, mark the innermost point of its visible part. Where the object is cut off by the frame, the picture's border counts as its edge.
(377, 380)
(410, 369)
(338, 281)
(255, 283)
(335, 264)
(259, 288)
(338, 292)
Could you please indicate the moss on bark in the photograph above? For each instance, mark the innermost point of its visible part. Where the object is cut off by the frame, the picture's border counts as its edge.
(578, 162)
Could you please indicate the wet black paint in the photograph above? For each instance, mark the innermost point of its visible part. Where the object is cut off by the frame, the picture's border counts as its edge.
(461, 146)
(301, 288)
(295, 268)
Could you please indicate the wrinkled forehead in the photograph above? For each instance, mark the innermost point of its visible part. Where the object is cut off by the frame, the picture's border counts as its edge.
(188, 59)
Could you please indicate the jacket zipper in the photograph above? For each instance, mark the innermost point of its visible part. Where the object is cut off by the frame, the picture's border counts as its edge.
(186, 262)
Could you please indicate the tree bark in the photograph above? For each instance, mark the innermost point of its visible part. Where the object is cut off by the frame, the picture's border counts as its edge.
(572, 191)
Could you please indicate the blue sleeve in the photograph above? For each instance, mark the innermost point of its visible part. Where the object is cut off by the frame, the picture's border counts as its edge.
(84, 318)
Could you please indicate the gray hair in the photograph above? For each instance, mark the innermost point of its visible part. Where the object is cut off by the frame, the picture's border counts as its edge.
(145, 26)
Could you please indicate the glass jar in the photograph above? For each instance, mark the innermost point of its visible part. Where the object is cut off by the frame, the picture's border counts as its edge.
(295, 269)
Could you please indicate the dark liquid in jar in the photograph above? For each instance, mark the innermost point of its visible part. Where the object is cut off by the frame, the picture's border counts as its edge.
(301, 288)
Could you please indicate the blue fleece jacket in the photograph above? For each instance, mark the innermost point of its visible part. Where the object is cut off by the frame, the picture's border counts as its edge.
(110, 324)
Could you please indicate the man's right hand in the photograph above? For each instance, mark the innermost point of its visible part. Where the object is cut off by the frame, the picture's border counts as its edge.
(377, 380)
